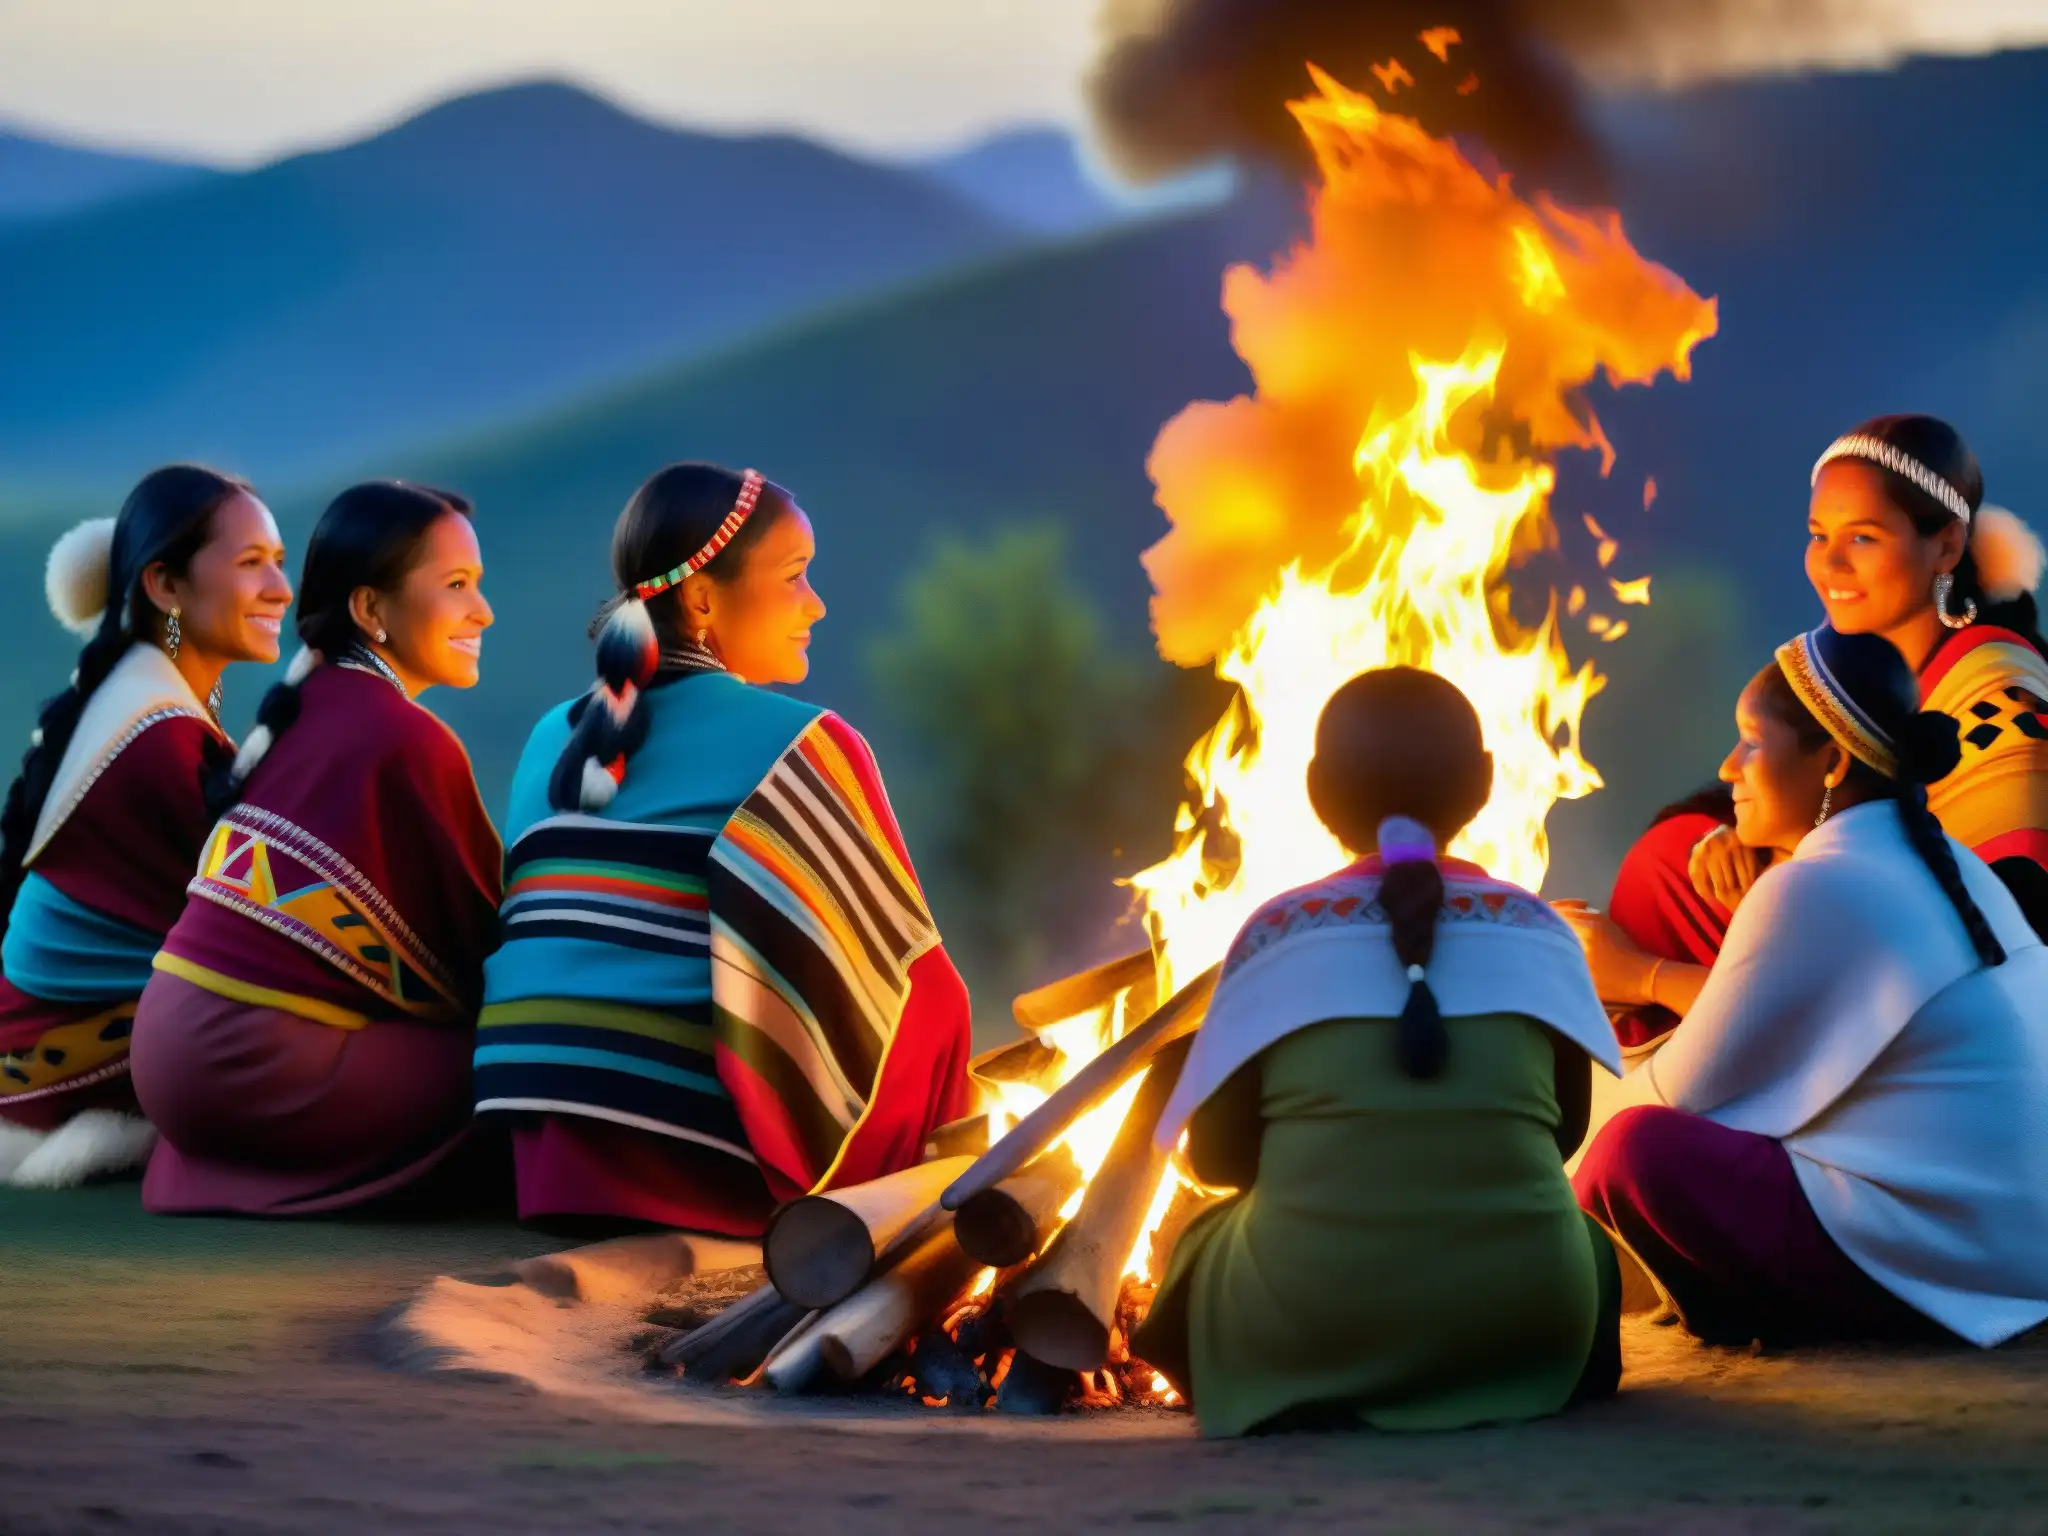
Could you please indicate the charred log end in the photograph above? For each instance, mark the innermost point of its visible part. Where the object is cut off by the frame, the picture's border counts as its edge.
(1057, 1328)
(995, 1229)
(943, 1370)
(817, 1252)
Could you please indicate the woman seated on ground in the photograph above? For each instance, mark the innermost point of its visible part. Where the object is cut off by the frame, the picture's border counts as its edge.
(304, 1044)
(1391, 1072)
(1901, 545)
(105, 822)
(1843, 1136)
(719, 986)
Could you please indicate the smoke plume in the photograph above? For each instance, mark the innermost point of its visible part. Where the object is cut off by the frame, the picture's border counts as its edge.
(1180, 81)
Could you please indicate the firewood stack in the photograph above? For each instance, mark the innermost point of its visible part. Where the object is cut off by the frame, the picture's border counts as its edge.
(955, 1282)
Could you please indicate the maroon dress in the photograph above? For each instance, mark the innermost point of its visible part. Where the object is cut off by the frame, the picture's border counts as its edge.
(305, 1043)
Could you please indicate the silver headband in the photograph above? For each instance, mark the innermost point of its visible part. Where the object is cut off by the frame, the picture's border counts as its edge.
(1899, 462)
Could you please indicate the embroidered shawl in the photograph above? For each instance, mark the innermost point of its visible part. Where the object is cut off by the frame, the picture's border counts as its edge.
(1325, 951)
(142, 689)
(357, 878)
(723, 955)
(1996, 686)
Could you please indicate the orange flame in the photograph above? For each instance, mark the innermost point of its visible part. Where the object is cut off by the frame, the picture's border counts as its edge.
(1418, 364)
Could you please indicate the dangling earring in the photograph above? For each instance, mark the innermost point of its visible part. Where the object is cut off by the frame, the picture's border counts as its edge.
(173, 635)
(1943, 585)
(702, 641)
(1827, 798)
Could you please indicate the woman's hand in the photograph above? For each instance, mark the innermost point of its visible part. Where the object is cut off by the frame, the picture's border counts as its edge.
(1622, 973)
(1722, 869)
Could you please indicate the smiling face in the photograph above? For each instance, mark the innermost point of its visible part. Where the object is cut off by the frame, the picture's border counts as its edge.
(1872, 569)
(1778, 781)
(760, 620)
(434, 622)
(231, 599)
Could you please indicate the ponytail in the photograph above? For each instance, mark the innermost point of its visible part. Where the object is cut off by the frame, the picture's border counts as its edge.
(609, 723)
(280, 707)
(1928, 751)
(687, 519)
(1412, 892)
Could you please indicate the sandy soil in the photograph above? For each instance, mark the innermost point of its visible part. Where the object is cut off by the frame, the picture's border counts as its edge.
(212, 1376)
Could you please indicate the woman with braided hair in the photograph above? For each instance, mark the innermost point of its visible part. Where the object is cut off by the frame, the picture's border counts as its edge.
(720, 986)
(1392, 1069)
(304, 1043)
(1843, 1134)
(1901, 544)
(105, 820)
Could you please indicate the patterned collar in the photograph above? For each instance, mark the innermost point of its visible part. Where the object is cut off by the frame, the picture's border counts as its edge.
(360, 658)
(682, 660)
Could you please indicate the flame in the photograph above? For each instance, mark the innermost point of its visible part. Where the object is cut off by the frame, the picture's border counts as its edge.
(1419, 362)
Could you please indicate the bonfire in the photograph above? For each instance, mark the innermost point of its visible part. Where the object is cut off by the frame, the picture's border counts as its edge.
(1420, 362)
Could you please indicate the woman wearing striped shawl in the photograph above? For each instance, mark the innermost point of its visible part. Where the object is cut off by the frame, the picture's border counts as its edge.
(719, 985)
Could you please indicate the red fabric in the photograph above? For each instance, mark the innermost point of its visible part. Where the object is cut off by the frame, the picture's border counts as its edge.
(923, 1079)
(2020, 843)
(581, 1168)
(1654, 903)
(129, 848)
(1718, 1217)
(388, 787)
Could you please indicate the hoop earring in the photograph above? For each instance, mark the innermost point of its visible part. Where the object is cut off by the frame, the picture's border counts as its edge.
(1827, 799)
(174, 635)
(1943, 585)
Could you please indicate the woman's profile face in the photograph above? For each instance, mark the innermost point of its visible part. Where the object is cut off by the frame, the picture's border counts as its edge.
(1871, 568)
(232, 598)
(436, 620)
(760, 621)
(1778, 784)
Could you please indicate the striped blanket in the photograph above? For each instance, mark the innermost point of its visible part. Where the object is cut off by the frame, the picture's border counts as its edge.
(792, 928)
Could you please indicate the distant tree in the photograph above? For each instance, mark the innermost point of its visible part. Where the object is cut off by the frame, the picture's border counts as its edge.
(1022, 728)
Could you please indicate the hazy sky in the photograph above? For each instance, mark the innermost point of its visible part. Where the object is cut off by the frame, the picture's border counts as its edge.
(238, 81)
(242, 80)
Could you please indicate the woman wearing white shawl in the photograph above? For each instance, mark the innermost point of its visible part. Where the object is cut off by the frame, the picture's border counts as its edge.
(1847, 1134)
(1393, 1065)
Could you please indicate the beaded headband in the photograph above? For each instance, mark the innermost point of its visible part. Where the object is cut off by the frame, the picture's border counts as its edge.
(1806, 669)
(742, 508)
(1858, 446)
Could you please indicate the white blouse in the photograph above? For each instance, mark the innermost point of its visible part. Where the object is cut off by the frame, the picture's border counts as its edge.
(1849, 1018)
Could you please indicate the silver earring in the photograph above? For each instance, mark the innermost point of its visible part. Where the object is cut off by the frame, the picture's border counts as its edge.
(174, 636)
(1943, 585)
(1827, 797)
(382, 637)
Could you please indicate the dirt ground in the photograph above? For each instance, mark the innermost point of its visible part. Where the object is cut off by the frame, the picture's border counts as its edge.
(188, 1376)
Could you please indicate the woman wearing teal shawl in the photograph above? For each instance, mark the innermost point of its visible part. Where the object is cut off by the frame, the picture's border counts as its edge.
(719, 985)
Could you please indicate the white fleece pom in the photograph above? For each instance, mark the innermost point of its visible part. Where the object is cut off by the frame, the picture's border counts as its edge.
(598, 786)
(2008, 556)
(254, 747)
(75, 580)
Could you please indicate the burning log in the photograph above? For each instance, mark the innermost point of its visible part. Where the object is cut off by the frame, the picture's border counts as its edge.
(734, 1343)
(1084, 992)
(878, 1319)
(820, 1249)
(1177, 1019)
(1063, 1310)
(794, 1364)
(969, 1136)
(1007, 1224)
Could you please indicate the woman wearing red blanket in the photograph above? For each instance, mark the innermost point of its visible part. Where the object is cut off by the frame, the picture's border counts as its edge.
(304, 1044)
